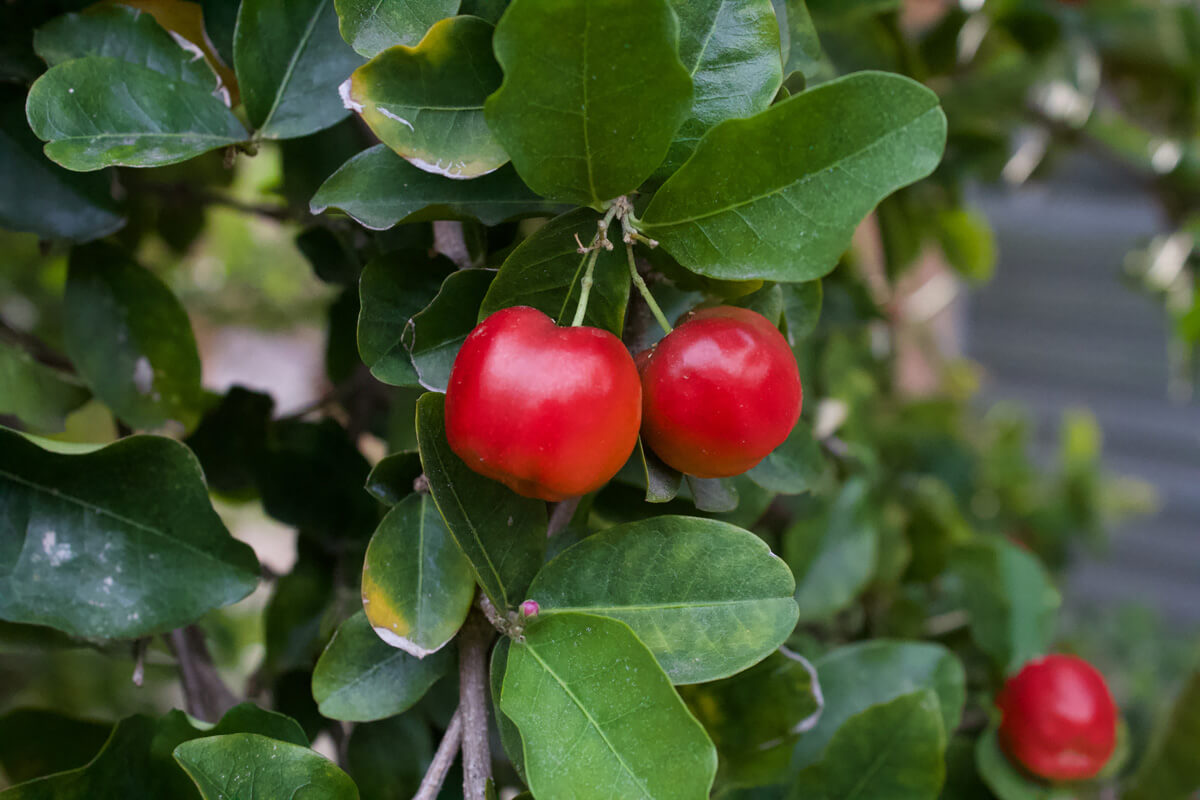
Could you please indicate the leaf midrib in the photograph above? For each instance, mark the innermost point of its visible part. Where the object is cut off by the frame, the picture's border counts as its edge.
(291, 67)
(661, 606)
(800, 181)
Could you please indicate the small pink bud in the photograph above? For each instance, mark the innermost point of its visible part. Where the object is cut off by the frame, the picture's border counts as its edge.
(530, 608)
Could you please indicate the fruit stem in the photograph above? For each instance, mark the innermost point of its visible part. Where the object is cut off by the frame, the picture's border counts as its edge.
(590, 253)
(645, 290)
(585, 287)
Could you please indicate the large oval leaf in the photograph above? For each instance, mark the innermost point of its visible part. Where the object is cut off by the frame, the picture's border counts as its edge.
(128, 34)
(113, 544)
(252, 765)
(707, 598)
(893, 750)
(731, 49)
(795, 467)
(360, 678)
(502, 534)
(380, 189)
(426, 102)
(546, 270)
(435, 334)
(131, 340)
(371, 26)
(599, 718)
(99, 112)
(417, 586)
(859, 676)
(290, 59)
(582, 125)
(779, 195)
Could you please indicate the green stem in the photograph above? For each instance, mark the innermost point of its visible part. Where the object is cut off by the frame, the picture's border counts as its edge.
(645, 290)
(585, 287)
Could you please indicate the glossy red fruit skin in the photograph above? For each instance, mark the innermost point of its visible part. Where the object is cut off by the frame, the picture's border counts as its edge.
(719, 392)
(551, 412)
(1059, 719)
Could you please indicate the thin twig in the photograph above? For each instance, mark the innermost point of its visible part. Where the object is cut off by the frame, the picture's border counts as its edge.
(474, 641)
(561, 516)
(205, 694)
(443, 759)
(40, 351)
(449, 239)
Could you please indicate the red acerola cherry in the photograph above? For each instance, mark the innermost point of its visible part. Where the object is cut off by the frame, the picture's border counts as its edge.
(550, 412)
(1059, 720)
(719, 393)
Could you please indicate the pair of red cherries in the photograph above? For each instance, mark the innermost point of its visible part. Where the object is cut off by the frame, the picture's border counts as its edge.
(555, 412)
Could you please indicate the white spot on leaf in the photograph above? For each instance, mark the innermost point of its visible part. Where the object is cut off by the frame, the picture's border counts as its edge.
(56, 552)
(143, 375)
(395, 117)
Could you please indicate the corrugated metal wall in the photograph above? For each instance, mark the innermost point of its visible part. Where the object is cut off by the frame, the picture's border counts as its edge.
(1058, 329)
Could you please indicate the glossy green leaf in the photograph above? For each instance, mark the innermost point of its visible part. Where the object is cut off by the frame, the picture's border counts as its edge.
(827, 157)
(731, 50)
(131, 340)
(502, 534)
(804, 45)
(417, 586)
(767, 301)
(755, 717)
(38, 395)
(372, 26)
(391, 480)
(801, 310)
(437, 332)
(290, 60)
(598, 716)
(380, 189)
(714, 495)
(833, 553)
(66, 205)
(545, 272)
(893, 750)
(117, 543)
(1011, 600)
(859, 676)
(707, 598)
(426, 102)
(136, 763)
(99, 112)
(127, 34)
(231, 441)
(581, 125)
(510, 735)
(1169, 770)
(252, 765)
(1006, 781)
(35, 743)
(796, 466)
(360, 677)
(220, 20)
(662, 482)
(392, 290)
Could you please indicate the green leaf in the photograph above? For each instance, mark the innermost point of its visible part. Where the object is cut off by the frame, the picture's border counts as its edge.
(582, 124)
(801, 310)
(372, 26)
(251, 765)
(510, 736)
(1010, 598)
(859, 676)
(1169, 770)
(66, 205)
(387, 759)
(38, 395)
(99, 112)
(131, 340)
(435, 334)
(502, 534)
(290, 60)
(392, 290)
(823, 159)
(833, 553)
(117, 543)
(360, 678)
(136, 763)
(598, 716)
(220, 19)
(417, 586)
(127, 34)
(795, 467)
(426, 102)
(662, 482)
(1006, 781)
(731, 50)
(804, 45)
(35, 743)
(391, 480)
(231, 441)
(714, 495)
(756, 716)
(968, 242)
(545, 271)
(380, 189)
(708, 599)
(295, 621)
(894, 750)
